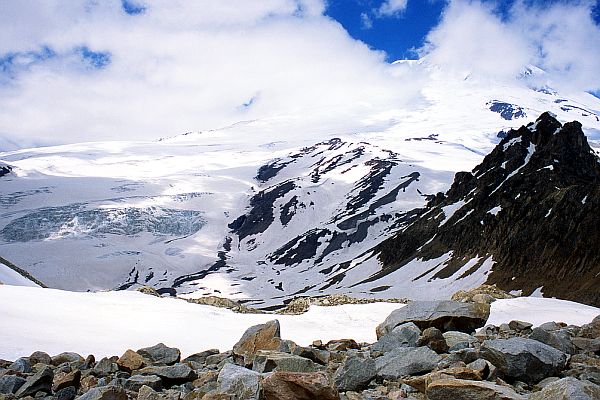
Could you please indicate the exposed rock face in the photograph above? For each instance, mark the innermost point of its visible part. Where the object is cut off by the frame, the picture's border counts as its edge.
(445, 315)
(259, 337)
(299, 386)
(530, 206)
(523, 359)
(9, 384)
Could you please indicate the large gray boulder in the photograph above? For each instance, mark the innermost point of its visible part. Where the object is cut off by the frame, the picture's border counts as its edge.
(355, 373)
(559, 339)
(39, 382)
(136, 382)
(406, 361)
(9, 384)
(161, 354)
(239, 382)
(568, 389)
(171, 374)
(105, 393)
(21, 365)
(459, 340)
(403, 335)
(268, 360)
(445, 315)
(523, 359)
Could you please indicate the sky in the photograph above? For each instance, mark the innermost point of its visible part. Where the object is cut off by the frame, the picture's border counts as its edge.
(88, 70)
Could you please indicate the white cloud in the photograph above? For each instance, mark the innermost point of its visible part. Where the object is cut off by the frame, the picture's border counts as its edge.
(561, 38)
(392, 7)
(182, 66)
(365, 21)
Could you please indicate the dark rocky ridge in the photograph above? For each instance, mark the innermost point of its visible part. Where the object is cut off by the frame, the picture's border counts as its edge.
(531, 205)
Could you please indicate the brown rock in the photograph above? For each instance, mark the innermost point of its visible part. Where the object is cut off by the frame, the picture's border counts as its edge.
(218, 396)
(259, 337)
(299, 386)
(434, 339)
(459, 389)
(87, 383)
(66, 379)
(422, 382)
(130, 361)
(342, 345)
(40, 357)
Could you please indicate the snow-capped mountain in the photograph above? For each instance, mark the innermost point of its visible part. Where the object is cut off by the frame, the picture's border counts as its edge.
(257, 211)
(525, 217)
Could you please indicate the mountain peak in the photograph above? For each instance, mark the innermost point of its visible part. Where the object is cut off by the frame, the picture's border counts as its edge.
(528, 206)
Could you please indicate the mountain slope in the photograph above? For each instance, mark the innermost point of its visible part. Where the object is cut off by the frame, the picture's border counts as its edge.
(531, 206)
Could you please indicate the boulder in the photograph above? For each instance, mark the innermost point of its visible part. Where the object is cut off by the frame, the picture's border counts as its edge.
(161, 354)
(342, 345)
(130, 361)
(406, 361)
(66, 379)
(136, 382)
(39, 382)
(21, 365)
(559, 339)
(523, 359)
(355, 373)
(9, 384)
(460, 389)
(434, 339)
(403, 335)
(421, 382)
(66, 393)
(268, 360)
(568, 389)
(40, 357)
(147, 393)
(105, 367)
(171, 374)
(316, 355)
(239, 382)
(519, 326)
(446, 315)
(67, 357)
(299, 386)
(200, 358)
(259, 337)
(105, 393)
(459, 340)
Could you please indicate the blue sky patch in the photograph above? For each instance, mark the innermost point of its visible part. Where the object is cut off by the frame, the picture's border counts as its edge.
(131, 8)
(96, 59)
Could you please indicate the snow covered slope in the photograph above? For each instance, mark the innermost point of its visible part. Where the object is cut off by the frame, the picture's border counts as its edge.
(125, 320)
(259, 210)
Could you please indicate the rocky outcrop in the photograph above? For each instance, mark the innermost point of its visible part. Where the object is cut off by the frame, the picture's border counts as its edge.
(445, 315)
(260, 337)
(523, 359)
(498, 362)
(530, 207)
